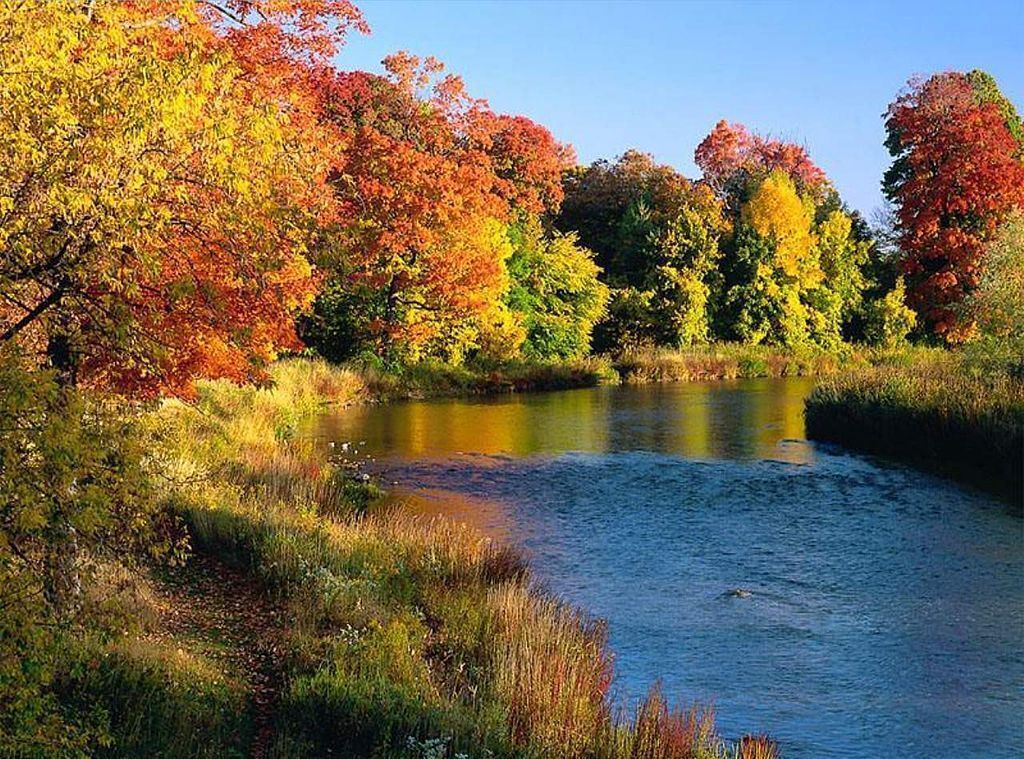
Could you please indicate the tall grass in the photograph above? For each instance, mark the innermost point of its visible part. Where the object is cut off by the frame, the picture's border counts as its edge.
(724, 361)
(408, 637)
(935, 412)
(158, 699)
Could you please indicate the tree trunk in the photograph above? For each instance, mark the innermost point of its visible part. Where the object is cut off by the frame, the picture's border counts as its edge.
(62, 579)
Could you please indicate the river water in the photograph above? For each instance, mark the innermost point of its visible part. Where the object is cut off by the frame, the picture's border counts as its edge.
(846, 606)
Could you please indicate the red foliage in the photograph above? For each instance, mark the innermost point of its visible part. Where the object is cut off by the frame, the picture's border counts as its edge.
(731, 151)
(955, 178)
(422, 165)
(526, 159)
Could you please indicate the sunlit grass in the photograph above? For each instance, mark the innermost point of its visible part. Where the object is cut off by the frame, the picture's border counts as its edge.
(936, 411)
(724, 361)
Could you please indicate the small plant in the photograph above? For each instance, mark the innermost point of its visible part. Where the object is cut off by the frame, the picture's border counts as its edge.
(757, 747)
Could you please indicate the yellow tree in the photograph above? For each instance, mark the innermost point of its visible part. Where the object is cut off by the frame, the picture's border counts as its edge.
(158, 195)
(777, 212)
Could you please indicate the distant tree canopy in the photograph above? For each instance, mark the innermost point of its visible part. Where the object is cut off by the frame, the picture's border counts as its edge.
(206, 176)
(761, 249)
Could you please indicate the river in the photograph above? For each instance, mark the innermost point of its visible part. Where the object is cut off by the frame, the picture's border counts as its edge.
(847, 606)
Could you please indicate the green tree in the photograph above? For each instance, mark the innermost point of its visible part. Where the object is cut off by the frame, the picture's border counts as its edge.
(554, 287)
(996, 307)
(681, 283)
(888, 320)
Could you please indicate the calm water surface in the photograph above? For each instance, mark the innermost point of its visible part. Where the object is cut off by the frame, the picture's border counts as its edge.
(885, 615)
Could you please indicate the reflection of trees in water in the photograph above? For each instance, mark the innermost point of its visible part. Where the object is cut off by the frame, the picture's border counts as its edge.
(725, 420)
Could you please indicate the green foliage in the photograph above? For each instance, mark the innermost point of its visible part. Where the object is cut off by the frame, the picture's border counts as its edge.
(997, 305)
(157, 700)
(556, 291)
(687, 253)
(72, 488)
(888, 320)
(986, 90)
(629, 325)
(762, 305)
(338, 325)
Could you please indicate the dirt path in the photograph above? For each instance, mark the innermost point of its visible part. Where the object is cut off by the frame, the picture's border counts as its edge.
(223, 613)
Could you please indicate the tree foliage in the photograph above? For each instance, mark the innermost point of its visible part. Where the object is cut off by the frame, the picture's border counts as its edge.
(731, 155)
(996, 306)
(957, 172)
(555, 291)
(424, 183)
(158, 198)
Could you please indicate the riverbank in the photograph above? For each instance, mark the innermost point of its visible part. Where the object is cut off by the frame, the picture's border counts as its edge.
(398, 636)
(699, 363)
(935, 414)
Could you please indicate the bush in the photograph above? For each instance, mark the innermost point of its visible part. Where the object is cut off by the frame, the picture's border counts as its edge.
(888, 320)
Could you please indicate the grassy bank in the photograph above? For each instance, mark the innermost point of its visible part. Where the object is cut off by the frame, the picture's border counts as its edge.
(934, 413)
(723, 361)
(403, 637)
(435, 379)
(716, 361)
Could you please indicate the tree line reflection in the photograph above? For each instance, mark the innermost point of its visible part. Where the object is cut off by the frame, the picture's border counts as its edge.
(744, 420)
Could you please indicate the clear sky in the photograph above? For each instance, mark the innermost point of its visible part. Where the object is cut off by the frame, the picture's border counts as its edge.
(608, 76)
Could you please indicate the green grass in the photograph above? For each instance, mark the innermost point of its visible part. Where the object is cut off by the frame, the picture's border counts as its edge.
(725, 361)
(157, 700)
(935, 412)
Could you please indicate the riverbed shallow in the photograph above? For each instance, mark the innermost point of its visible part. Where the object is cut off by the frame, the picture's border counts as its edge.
(847, 606)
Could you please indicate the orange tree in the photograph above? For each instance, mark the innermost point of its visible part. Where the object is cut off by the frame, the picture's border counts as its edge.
(423, 186)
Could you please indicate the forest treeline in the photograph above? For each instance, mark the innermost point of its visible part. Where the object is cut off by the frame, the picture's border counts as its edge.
(190, 190)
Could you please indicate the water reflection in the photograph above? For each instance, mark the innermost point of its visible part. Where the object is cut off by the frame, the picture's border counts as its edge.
(747, 419)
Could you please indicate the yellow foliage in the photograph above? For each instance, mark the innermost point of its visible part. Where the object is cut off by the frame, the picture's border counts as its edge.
(776, 211)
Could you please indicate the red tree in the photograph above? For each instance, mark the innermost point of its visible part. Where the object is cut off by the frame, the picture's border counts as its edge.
(956, 175)
(423, 169)
(731, 153)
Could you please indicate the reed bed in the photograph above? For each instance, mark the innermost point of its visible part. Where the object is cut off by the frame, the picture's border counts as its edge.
(937, 413)
(724, 361)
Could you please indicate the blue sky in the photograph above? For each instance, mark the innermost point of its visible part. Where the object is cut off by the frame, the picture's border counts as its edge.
(608, 76)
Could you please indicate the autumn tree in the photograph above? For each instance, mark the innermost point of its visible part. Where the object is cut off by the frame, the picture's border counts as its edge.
(957, 173)
(793, 269)
(163, 184)
(731, 156)
(159, 199)
(554, 293)
(655, 235)
(423, 187)
(996, 306)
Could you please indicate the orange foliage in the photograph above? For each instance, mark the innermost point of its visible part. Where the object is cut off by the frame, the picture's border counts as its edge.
(731, 151)
(422, 168)
(160, 215)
